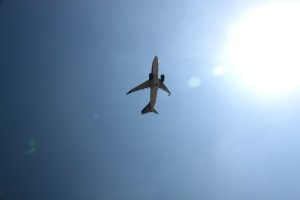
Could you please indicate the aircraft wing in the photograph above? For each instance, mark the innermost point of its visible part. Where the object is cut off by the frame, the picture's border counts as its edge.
(164, 87)
(144, 85)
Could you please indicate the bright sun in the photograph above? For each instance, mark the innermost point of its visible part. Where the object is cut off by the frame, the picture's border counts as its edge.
(264, 49)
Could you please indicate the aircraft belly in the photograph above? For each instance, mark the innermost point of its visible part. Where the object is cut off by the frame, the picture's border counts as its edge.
(153, 95)
(155, 67)
(155, 72)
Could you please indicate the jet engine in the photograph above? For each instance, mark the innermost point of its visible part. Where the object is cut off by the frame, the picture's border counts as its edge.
(150, 76)
(162, 78)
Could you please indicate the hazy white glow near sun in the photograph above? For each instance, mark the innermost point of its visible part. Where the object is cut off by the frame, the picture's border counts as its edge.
(220, 70)
(264, 49)
(195, 82)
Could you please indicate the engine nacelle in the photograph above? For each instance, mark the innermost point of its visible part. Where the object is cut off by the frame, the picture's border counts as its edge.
(150, 76)
(162, 78)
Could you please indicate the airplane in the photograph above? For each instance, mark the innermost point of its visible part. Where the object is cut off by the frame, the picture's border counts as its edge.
(153, 83)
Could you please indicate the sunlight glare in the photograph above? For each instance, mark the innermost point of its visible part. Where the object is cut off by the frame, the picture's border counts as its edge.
(264, 49)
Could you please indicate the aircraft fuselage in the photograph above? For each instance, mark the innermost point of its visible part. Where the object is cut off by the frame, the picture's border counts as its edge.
(154, 83)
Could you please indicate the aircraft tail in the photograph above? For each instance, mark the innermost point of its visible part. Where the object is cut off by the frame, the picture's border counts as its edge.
(148, 109)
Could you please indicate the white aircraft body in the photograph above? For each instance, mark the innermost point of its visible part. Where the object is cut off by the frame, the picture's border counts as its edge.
(153, 83)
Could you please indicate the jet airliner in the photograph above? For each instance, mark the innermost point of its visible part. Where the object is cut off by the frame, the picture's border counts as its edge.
(153, 83)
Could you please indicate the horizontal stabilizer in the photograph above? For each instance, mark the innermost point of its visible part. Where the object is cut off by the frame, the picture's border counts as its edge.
(148, 109)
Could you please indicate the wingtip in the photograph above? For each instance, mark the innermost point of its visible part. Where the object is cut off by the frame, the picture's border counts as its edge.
(128, 92)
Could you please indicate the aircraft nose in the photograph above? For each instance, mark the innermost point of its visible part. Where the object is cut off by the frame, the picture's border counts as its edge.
(155, 58)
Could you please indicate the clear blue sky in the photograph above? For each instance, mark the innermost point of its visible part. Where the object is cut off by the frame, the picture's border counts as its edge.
(65, 69)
